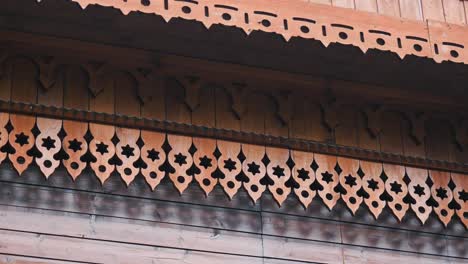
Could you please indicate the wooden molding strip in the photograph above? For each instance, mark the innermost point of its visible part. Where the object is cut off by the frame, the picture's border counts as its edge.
(232, 165)
(295, 18)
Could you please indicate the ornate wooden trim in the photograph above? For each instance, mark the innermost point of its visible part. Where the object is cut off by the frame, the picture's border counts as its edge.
(257, 168)
(295, 18)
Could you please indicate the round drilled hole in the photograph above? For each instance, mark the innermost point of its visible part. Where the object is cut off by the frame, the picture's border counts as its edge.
(47, 163)
(145, 2)
(380, 41)
(186, 9)
(102, 168)
(206, 182)
(417, 47)
(398, 207)
(305, 194)
(352, 200)
(343, 35)
(230, 184)
(266, 23)
(74, 165)
(454, 53)
(421, 209)
(226, 16)
(375, 204)
(127, 171)
(279, 191)
(153, 175)
(329, 196)
(305, 29)
(180, 179)
(443, 212)
(254, 188)
(21, 160)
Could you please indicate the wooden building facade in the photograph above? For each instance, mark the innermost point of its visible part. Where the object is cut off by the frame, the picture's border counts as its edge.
(279, 132)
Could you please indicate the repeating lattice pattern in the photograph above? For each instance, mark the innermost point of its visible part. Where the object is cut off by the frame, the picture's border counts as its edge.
(231, 165)
(437, 40)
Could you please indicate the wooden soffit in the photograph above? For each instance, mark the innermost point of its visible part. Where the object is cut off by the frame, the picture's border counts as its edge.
(293, 18)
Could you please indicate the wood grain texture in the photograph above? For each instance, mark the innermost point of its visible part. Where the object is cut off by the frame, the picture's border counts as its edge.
(389, 7)
(454, 12)
(411, 9)
(433, 9)
(396, 190)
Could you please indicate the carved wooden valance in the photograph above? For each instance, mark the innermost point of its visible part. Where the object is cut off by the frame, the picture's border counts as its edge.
(106, 149)
(437, 40)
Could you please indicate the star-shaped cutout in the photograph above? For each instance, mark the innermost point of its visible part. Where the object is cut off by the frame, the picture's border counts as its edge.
(127, 151)
(441, 193)
(153, 154)
(373, 184)
(463, 195)
(253, 168)
(395, 187)
(419, 190)
(327, 177)
(21, 139)
(180, 159)
(48, 143)
(74, 145)
(278, 171)
(205, 162)
(350, 180)
(229, 164)
(102, 148)
(303, 174)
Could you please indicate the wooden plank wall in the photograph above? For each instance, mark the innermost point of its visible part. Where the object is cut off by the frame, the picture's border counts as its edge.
(450, 11)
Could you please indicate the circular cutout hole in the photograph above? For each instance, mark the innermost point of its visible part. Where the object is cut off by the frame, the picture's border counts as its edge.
(417, 47)
(279, 191)
(47, 163)
(21, 160)
(74, 165)
(254, 188)
(127, 171)
(329, 196)
(305, 29)
(375, 204)
(454, 53)
(305, 194)
(398, 207)
(206, 182)
(186, 9)
(421, 209)
(352, 200)
(443, 212)
(226, 16)
(380, 41)
(153, 175)
(180, 179)
(230, 184)
(102, 168)
(266, 23)
(145, 2)
(343, 35)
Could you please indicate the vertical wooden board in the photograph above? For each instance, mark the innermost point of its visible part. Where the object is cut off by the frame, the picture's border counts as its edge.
(181, 160)
(225, 116)
(411, 9)
(75, 96)
(346, 133)
(5, 95)
(206, 162)
(366, 140)
(205, 113)
(254, 169)
(327, 178)
(304, 176)
(454, 12)
(343, 3)
(442, 194)
(433, 9)
(410, 146)
(279, 172)
(154, 99)
(366, 5)
(254, 118)
(4, 117)
(230, 165)
(127, 103)
(390, 137)
(351, 182)
(460, 194)
(24, 80)
(274, 125)
(154, 156)
(325, 2)
(389, 7)
(374, 186)
(419, 190)
(176, 109)
(306, 121)
(438, 140)
(101, 146)
(48, 142)
(396, 188)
